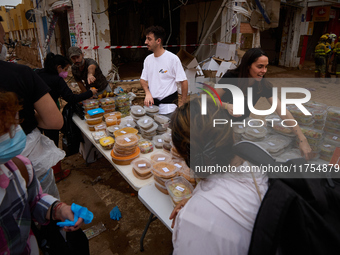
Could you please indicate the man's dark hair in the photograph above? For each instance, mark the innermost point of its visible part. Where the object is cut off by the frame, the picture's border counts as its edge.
(158, 32)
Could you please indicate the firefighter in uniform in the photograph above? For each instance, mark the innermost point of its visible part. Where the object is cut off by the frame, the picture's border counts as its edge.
(336, 61)
(321, 57)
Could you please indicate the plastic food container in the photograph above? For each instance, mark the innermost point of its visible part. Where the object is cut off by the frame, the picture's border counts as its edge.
(325, 157)
(127, 123)
(174, 153)
(327, 149)
(91, 127)
(138, 110)
(293, 153)
(123, 100)
(166, 146)
(108, 109)
(332, 125)
(319, 114)
(257, 132)
(98, 112)
(167, 137)
(90, 104)
(179, 188)
(112, 129)
(125, 160)
(145, 122)
(278, 127)
(158, 140)
(277, 143)
(107, 101)
(93, 121)
(161, 119)
(118, 115)
(186, 172)
(142, 166)
(98, 135)
(305, 120)
(312, 132)
(334, 131)
(100, 127)
(239, 129)
(127, 141)
(145, 146)
(319, 122)
(164, 170)
(150, 130)
(313, 146)
(107, 142)
(316, 105)
(110, 121)
(161, 188)
(332, 139)
(319, 127)
(333, 119)
(313, 141)
(296, 112)
(125, 130)
(151, 109)
(160, 157)
(333, 112)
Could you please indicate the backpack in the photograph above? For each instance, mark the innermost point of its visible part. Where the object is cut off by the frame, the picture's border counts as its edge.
(297, 215)
(71, 133)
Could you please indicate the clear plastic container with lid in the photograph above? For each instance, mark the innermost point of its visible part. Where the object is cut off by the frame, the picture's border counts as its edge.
(167, 137)
(296, 112)
(319, 127)
(309, 124)
(332, 139)
(123, 100)
(125, 130)
(293, 153)
(312, 132)
(164, 170)
(145, 122)
(160, 157)
(138, 110)
(100, 127)
(319, 122)
(98, 135)
(161, 119)
(151, 109)
(327, 149)
(179, 188)
(158, 140)
(90, 104)
(334, 131)
(239, 129)
(333, 112)
(107, 142)
(279, 128)
(93, 121)
(118, 115)
(111, 129)
(257, 132)
(150, 130)
(98, 112)
(142, 166)
(332, 124)
(145, 146)
(277, 142)
(126, 160)
(110, 121)
(107, 101)
(319, 114)
(304, 120)
(316, 105)
(126, 141)
(127, 123)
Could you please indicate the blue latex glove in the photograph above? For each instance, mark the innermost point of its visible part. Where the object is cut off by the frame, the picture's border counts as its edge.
(115, 214)
(79, 212)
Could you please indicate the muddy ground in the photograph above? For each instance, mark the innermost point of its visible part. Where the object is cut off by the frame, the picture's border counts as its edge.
(99, 187)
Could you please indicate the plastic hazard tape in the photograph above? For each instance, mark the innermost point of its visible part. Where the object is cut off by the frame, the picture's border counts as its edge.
(138, 47)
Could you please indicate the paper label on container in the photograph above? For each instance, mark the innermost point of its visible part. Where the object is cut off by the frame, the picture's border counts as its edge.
(141, 165)
(128, 125)
(116, 128)
(178, 165)
(160, 140)
(240, 126)
(271, 144)
(127, 139)
(161, 159)
(179, 188)
(145, 121)
(106, 141)
(139, 110)
(123, 132)
(256, 131)
(165, 169)
(151, 107)
(327, 145)
(335, 138)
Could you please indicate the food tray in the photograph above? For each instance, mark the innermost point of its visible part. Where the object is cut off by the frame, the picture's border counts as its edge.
(239, 129)
(164, 169)
(124, 131)
(160, 157)
(145, 122)
(145, 146)
(333, 112)
(127, 123)
(312, 132)
(179, 188)
(107, 142)
(138, 110)
(151, 109)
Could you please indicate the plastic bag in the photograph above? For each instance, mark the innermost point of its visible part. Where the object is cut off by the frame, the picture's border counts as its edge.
(48, 185)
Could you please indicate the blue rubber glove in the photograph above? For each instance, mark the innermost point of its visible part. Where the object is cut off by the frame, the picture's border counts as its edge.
(79, 212)
(115, 214)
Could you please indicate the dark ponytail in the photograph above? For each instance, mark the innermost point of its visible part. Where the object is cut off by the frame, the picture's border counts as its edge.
(52, 61)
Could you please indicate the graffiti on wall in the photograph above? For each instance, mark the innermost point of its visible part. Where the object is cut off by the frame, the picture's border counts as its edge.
(79, 31)
(72, 27)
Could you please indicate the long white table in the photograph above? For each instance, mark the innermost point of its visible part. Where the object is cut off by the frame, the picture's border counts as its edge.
(125, 171)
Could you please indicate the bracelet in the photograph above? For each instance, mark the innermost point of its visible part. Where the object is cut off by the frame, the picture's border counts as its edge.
(226, 106)
(56, 208)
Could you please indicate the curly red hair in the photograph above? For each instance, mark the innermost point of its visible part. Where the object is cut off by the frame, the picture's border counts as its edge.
(9, 106)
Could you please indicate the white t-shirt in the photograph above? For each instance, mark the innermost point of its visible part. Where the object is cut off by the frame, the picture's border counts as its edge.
(219, 218)
(162, 73)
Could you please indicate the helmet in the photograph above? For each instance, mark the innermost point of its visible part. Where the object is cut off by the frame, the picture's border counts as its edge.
(324, 37)
(327, 34)
(332, 36)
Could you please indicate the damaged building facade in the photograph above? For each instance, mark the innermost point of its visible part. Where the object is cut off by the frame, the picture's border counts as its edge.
(287, 30)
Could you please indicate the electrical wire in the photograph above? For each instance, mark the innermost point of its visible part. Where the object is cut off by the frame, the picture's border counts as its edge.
(103, 11)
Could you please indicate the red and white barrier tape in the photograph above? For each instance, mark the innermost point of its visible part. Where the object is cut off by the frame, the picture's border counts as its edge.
(138, 47)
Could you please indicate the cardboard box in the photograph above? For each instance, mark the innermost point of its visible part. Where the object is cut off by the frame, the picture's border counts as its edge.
(89, 152)
(188, 60)
(210, 68)
(224, 67)
(225, 51)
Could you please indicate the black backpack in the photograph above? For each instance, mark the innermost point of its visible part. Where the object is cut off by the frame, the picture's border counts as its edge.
(71, 133)
(297, 215)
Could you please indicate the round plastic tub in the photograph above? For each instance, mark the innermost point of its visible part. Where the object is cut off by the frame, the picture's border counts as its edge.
(160, 157)
(125, 160)
(145, 146)
(93, 121)
(142, 166)
(107, 142)
(179, 188)
(164, 170)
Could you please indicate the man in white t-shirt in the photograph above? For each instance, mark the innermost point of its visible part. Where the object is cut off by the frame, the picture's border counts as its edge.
(161, 71)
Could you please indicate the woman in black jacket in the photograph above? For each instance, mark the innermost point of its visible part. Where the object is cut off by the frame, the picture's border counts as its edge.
(53, 74)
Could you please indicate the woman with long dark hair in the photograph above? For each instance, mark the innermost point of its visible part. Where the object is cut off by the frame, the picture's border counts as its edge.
(53, 74)
(250, 73)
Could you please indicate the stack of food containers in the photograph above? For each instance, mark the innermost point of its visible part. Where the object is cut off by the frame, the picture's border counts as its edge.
(137, 112)
(300, 117)
(332, 125)
(166, 141)
(124, 131)
(328, 146)
(141, 168)
(314, 137)
(118, 115)
(185, 171)
(107, 104)
(238, 131)
(162, 122)
(147, 127)
(158, 141)
(254, 134)
(275, 144)
(125, 149)
(162, 172)
(151, 110)
(179, 188)
(123, 104)
(93, 119)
